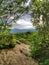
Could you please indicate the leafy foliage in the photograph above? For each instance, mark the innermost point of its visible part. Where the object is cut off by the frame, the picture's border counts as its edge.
(13, 8)
(40, 49)
(40, 45)
(41, 16)
(7, 40)
(9, 9)
(24, 37)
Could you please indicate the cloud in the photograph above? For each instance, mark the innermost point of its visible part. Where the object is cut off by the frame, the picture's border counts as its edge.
(19, 26)
(23, 23)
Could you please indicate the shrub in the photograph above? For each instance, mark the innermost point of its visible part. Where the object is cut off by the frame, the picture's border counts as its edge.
(24, 41)
(7, 40)
(40, 50)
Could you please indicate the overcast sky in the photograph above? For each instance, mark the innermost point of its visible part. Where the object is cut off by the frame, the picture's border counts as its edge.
(23, 23)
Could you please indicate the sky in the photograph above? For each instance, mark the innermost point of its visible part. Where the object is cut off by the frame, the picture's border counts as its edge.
(23, 23)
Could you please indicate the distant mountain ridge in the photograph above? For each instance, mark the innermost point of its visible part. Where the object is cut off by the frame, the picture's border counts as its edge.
(22, 30)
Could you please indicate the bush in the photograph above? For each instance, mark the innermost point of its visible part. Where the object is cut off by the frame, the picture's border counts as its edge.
(24, 41)
(40, 50)
(7, 40)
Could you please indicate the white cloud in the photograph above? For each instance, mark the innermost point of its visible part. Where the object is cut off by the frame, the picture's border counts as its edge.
(21, 27)
(23, 23)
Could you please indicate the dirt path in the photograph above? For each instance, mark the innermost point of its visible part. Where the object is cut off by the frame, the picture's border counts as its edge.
(17, 56)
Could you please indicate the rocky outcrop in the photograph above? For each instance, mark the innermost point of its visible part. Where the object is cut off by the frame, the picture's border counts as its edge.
(17, 56)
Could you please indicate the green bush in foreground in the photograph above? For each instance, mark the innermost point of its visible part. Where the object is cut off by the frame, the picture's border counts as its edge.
(7, 40)
(40, 50)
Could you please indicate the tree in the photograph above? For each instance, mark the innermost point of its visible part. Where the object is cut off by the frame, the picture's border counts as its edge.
(40, 45)
(40, 14)
(11, 10)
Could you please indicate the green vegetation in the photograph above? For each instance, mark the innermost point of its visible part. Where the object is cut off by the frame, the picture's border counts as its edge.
(25, 37)
(38, 41)
(39, 47)
(7, 40)
(9, 8)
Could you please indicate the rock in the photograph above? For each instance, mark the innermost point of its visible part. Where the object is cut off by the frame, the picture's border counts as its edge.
(19, 55)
